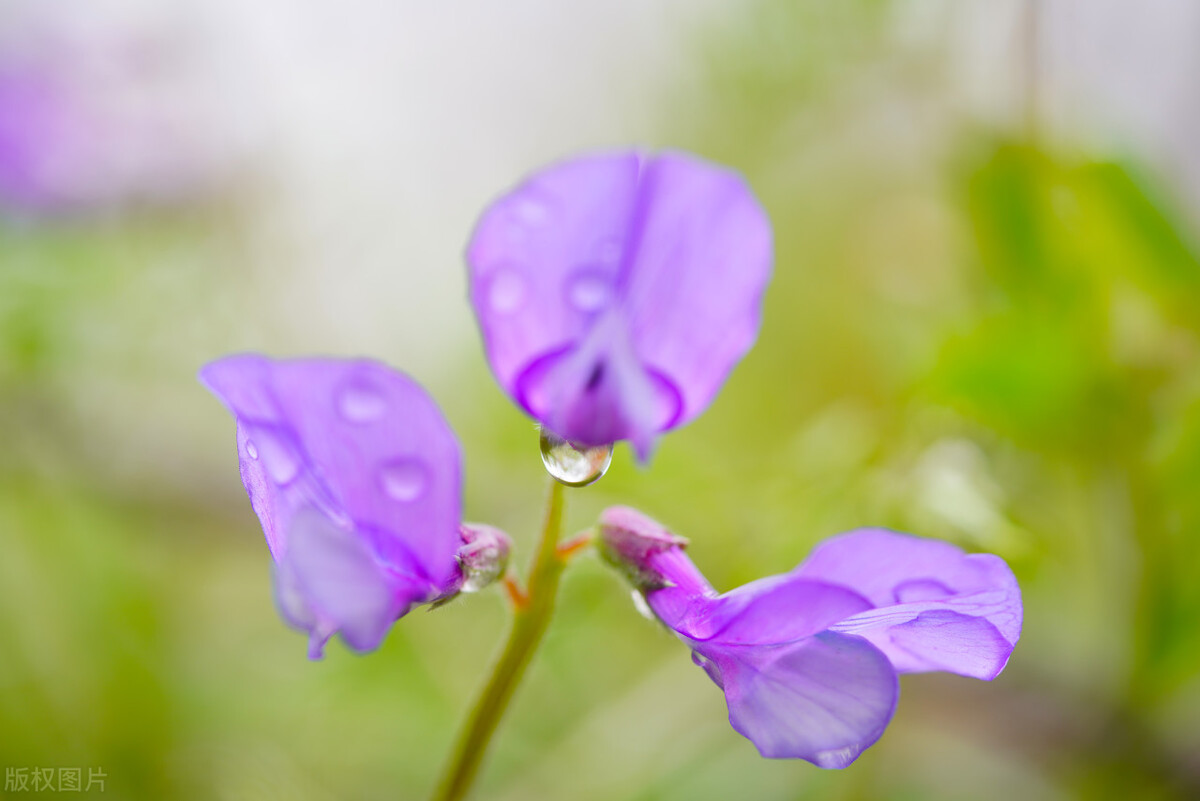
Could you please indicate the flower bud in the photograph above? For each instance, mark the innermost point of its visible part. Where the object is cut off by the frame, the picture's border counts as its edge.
(629, 541)
(483, 557)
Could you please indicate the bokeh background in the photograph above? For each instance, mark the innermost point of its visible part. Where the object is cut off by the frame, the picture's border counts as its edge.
(984, 326)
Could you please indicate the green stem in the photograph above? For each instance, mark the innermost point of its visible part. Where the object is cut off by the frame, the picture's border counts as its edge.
(529, 624)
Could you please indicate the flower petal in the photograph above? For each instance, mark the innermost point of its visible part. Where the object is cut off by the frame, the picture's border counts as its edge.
(616, 292)
(329, 582)
(919, 638)
(780, 609)
(544, 259)
(937, 607)
(686, 603)
(889, 568)
(358, 441)
(599, 392)
(700, 263)
(823, 699)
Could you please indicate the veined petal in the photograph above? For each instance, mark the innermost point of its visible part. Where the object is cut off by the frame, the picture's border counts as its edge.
(923, 637)
(937, 608)
(329, 582)
(360, 442)
(894, 570)
(700, 261)
(823, 699)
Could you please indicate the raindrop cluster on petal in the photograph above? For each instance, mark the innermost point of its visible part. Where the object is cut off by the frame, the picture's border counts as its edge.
(616, 291)
(356, 479)
(809, 660)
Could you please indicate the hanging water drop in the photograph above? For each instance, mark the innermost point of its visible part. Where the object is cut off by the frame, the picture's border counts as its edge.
(575, 467)
(251, 450)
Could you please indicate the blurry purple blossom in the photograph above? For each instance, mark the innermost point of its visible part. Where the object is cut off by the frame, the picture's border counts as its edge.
(100, 111)
(615, 292)
(808, 660)
(355, 476)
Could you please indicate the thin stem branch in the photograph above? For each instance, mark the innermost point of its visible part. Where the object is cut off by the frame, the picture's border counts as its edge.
(569, 549)
(530, 620)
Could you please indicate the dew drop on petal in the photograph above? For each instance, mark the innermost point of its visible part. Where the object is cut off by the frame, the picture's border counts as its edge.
(506, 291)
(251, 450)
(589, 291)
(278, 456)
(531, 212)
(403, 480)
(575, 467)
(921, 590)
(836, 757)
(359, 403)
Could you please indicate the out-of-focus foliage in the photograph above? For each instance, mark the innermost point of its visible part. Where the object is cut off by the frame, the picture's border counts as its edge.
(971, 334)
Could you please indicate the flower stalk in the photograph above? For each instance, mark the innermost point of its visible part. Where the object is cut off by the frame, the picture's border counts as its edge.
(530, 619)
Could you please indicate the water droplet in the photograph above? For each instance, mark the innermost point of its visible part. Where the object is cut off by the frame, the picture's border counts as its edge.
(403, 480)
(360, 403)
(640, 604)
(575, 467)
(837, 757)
(506, 291)
(278, 456)
(921, 590)
(251, 450)
(589, 291)
(531, 212)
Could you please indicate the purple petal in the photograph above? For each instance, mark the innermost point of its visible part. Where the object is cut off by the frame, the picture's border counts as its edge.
(937, 607)
(686, 603)
(616, 292)
(330, 582)
(359, 442)
(693, 290)
(569, 220)
(824, 699)
(780, 609)
(599, 391)
(920, 639)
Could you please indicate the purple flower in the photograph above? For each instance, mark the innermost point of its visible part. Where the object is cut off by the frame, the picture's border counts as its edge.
(355, 476)
(615, 292)
(809, 659)
(37, 134)
(93, 117)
